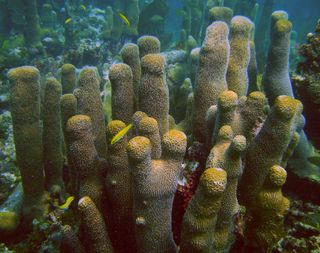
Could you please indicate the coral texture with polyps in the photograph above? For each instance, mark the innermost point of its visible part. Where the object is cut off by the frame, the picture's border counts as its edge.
(265, 228)
(25, 109)
(201, 216)
(153, 90)
(68, 78)
(155, 182)
(118, 188)
(237, 75)
(84, 158)
(124, 175)
(211, 77)
(122, 92)
(89, 103)
(148, 45)
(276, 79)
(52, 138)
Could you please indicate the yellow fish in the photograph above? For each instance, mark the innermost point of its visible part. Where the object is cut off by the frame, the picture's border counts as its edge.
(121, 134)
(83, 7)
(66, 205)
(125, 19)
(68, 20)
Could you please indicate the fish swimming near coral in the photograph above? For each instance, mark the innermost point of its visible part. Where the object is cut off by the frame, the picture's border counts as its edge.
(68, 20)
(125, 19)
(121, 134)
(83, 7)
(66, 205)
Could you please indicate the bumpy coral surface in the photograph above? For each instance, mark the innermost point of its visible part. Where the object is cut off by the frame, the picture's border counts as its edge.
(207, 178)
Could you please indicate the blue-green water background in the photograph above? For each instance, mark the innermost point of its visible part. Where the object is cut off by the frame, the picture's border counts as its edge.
(303, 13)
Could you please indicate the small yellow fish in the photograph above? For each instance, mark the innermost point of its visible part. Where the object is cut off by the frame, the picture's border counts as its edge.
(83, 7)
(125, 19)
(121, 134)
(68, 20)
(66, 205)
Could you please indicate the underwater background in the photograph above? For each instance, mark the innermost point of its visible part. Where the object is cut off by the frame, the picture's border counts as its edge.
(158, 126)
